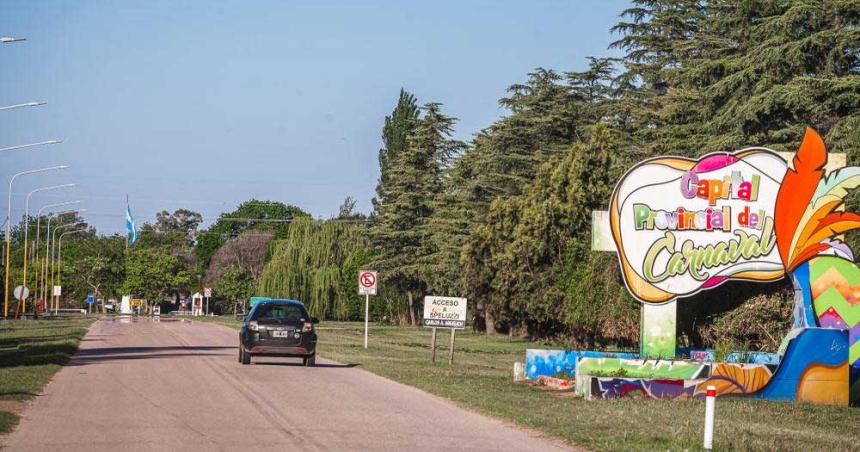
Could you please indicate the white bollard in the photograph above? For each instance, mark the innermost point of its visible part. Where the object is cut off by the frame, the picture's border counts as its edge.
(710, 398)
(519, 371)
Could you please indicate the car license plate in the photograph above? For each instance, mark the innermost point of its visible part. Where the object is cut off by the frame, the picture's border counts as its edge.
(281, 333)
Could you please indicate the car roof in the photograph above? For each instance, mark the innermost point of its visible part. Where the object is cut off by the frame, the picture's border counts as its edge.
(281, 301)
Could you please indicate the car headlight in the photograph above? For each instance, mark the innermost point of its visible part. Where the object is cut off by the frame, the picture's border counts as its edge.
(252, 325)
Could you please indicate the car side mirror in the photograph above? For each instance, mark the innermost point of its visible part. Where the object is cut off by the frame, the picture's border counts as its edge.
(240, 317)
(315, 320)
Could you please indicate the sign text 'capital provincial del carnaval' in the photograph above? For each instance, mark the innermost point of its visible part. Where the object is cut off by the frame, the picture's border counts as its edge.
(681, 225)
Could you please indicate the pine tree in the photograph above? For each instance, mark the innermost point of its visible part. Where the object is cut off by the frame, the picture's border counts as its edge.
(507, 154)
(395, 135)
(529, 238)
(549, 114)
(447, 228)
(779, 67)
(658, 37)
(400, 229)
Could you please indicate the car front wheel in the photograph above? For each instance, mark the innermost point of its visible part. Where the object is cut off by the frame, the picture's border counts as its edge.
(245, 356)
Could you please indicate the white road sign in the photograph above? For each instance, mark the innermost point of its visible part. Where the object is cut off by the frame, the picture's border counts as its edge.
(445, 312)
(207, 292)
(367, 282)
(58, 290)
(21, 293)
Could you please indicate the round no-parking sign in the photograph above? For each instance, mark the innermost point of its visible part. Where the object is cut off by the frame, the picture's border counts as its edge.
(367, 282)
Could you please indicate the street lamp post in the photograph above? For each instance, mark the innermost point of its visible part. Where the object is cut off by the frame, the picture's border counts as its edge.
(25, 104)
(8, 224)
(30, 145)
(49, 251)
(39, 237)
(54, 261)
(60, 259)
(38, 292)
(27, 224)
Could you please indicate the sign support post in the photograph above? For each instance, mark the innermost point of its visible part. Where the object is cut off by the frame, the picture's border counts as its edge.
(451, 350)
(366, 286)
(366, 315)
(433, 346)
(55, 298)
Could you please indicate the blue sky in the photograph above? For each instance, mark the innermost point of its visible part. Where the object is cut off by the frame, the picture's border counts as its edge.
(205, 104)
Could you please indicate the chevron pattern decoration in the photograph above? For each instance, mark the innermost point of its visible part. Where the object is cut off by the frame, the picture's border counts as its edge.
(835, 284)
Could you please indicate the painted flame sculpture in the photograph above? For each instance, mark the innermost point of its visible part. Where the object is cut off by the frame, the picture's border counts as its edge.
(809, 220)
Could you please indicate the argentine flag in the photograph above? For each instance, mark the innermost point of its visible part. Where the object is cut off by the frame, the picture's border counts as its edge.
(129, 225)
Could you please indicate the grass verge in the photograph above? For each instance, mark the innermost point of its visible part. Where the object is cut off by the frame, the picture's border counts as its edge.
(481, 380)
(31, 352)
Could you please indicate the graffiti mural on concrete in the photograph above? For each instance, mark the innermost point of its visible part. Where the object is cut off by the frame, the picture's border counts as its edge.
(814, 368)
(684, 370)
(553, 362)
(749, 357)
(614, 378)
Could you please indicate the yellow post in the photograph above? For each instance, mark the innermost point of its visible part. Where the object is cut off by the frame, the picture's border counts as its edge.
(6, 291)
(24, 301)
(36, 269)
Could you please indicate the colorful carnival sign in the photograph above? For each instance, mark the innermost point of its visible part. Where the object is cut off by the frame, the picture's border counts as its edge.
(681, 226)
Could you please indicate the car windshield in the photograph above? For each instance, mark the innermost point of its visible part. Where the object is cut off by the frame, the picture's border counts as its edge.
(280, 313)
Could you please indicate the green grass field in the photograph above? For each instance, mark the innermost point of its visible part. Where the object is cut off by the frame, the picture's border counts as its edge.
(31, 352)
(481, 380)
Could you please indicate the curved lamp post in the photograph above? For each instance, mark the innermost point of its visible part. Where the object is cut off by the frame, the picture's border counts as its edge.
(39, 233)
(25, 104)
(27, 222)
(60, 258)
(8, 224)
(30, 145)
(49, 250)
(54, 264)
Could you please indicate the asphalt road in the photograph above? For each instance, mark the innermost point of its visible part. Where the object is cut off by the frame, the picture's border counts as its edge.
(147, 385)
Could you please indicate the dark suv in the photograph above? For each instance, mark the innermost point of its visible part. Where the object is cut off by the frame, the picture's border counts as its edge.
(278, 328)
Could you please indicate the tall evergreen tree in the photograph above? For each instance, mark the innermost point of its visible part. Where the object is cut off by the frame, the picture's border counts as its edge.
(778, 67)
(400, 229)
(509, 152)
(658, 36)
(529, 238)
(395, 135)
(447, 228)
(549, 114)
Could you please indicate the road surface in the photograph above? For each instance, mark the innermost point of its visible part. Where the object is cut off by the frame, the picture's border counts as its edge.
(172, 385)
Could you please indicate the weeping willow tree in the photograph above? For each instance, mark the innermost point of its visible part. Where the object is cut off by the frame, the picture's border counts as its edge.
(317, 263)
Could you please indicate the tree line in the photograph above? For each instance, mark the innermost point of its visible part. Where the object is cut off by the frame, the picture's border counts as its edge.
(505, 219)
